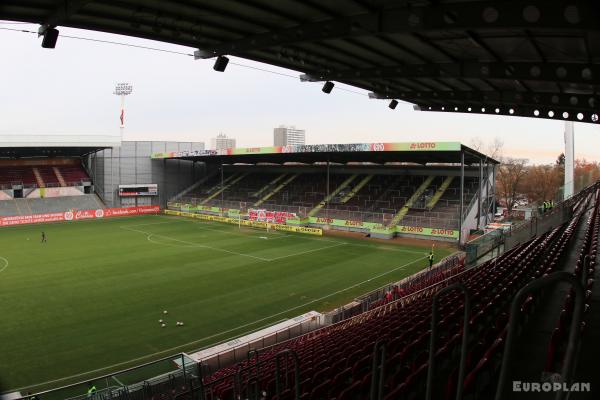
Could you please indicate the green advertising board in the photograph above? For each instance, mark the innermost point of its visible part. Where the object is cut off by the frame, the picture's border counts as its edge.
(342, 222)
(418, 230)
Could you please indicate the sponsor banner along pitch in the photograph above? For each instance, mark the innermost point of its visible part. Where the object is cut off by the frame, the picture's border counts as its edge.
(76, 215)
(245, 222)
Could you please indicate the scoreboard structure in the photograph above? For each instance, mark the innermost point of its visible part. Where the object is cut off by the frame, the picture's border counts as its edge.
(134, 190)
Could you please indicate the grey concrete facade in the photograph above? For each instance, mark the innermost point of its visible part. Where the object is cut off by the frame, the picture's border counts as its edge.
(132, 163)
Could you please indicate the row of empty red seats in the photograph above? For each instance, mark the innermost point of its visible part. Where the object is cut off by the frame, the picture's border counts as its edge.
(336, 362)
(72, 174)
(10, 175)
(48, 176)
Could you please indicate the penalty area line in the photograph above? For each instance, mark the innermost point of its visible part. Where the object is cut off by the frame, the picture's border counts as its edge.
(192, 244)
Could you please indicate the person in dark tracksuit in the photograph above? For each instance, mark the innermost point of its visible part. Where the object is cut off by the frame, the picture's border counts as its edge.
(44, 240)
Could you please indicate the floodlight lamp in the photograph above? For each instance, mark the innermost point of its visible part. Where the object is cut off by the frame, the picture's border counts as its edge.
(327, 87)
(123, 89)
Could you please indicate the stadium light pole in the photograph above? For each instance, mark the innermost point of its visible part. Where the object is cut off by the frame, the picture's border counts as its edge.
(122, 90)
(569, 188)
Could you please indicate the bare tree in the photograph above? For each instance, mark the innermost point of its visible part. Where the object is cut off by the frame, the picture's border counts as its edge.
(494, 148)
(510, 178)
(476, 144)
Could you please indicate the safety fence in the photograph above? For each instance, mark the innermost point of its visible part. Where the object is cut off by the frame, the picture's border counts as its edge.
(444, 269)
(437, 223)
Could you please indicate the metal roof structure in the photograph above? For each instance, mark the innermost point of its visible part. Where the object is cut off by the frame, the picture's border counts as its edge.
(536, 58)
(54, 145)
(379, 153)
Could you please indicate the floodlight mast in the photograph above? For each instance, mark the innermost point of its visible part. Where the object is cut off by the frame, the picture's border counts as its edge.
(121, 89)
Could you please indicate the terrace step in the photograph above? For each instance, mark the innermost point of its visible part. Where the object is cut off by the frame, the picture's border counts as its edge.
(277, 189)
(38, 178)
(225, 181)
(222, 187)
(319, 206)
(59, 176)
(439, 193)
(269, 185)
(356, 189)
(400, 215)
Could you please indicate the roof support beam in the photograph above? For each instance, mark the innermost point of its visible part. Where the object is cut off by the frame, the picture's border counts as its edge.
(62, 13)
(560, 100)
(588, 74)
(544, 112)
(491, 15)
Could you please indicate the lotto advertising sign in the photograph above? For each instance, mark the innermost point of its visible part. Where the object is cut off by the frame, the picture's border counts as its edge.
(77, 215)
(315, 148)
(342, 222)
(418, 230)
(278, 217)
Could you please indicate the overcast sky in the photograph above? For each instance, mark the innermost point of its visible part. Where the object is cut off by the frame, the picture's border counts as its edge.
(69, 89)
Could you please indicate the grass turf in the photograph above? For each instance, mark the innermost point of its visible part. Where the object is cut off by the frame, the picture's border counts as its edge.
(89, 299)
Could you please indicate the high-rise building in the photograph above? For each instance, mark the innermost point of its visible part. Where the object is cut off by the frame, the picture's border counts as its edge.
(222, 142)
(284, 136)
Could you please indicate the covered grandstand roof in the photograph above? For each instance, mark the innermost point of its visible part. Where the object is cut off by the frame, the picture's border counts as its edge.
(28, 146)
(533, 58)
(409, 152)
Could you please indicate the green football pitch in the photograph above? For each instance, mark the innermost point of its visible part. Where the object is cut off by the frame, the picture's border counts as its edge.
(87, 302)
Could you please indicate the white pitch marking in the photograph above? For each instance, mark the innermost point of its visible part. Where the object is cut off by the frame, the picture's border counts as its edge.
(197, 244)
(379, 247)
(151, 223)
(307, 251)
(227, 331)
(149, 238)
(5, 264)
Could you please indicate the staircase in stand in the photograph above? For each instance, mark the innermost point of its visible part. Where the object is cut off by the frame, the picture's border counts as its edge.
(59, 176)
(38, 178)
(276, 190)
(269, 185)
(218, 185)
(439, 193)
(222, 189)
(344, 184)
(400, 215)
(356, 189)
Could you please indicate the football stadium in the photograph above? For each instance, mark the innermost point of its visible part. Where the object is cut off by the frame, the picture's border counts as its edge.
(379, 270)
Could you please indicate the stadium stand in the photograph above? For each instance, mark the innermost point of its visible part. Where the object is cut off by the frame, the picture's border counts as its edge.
(61, 204)
(49, 205)
(72, 175)
(9, 208)
(11, 175)
(422, 200)
(337, 361)
(39, 176)
(38, 186)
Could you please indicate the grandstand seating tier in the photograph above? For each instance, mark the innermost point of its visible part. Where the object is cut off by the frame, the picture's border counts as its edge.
(377, 198)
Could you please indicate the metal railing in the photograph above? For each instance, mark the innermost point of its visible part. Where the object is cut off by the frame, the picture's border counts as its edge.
(440, 220)
(433, 338)
(573, 341)
(134, 379)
